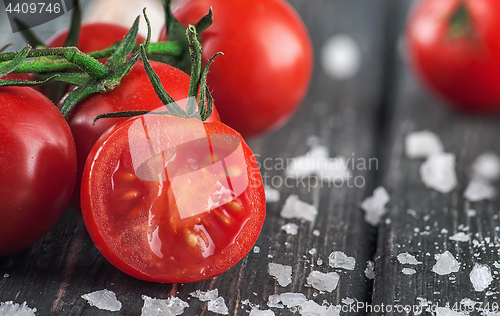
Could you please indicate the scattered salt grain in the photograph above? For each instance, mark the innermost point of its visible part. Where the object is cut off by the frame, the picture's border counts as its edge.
(323, 281)
(406, 258)
(471, 213)
(374, 206)
(206, 296)
(340, 57)
(422, 144)
(370, 270)
(438, 172)
(103, 299)
(311, 308)
(338, 259)
(10, 308)
(256, 249)
(409, 271)
(282, 274)
(316, 232)
(289, 299)
(445, 264)
(272, 195)
(258, 312)
(480, 277)
(318, 162)
(274, 301)
(479, 189)
(290, 228)
(171, 306)
(460, 237)
(445, 311)
(319, 262)
(487, 166)
(218, 306)
(295, 208)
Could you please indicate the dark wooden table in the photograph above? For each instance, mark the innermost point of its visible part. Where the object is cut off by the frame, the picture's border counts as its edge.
(366, 116)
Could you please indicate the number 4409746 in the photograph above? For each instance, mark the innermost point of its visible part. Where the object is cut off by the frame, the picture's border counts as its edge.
(39, 7)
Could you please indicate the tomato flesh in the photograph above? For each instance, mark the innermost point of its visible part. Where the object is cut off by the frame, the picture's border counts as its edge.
(163, 202)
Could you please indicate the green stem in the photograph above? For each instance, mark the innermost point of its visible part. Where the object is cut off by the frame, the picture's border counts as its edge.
(53, 65)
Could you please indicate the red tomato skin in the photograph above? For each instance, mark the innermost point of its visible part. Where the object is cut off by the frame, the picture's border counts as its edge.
(38, 159)
(135, 92)
(265, 71)
(464, 71)
(94, 37)
(179, 274)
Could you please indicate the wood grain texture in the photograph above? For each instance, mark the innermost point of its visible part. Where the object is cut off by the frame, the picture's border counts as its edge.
(345, 115)
(421, 220)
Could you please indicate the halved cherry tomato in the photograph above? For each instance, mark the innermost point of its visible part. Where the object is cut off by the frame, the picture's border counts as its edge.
(267, 64)
(172, 200)
(135, 92)
(38, 160)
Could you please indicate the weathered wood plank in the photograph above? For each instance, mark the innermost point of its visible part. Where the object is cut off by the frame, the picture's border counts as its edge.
(420, 220)
(55, 272)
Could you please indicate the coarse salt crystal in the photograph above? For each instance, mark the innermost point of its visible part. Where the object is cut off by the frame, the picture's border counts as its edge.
(422, 144)
(487, 166)
(290, 228)
(406, 258)
(409, 271)
(272, 195)
(370, 270)
(206, 296)
(438, 172)
(10, 308)
(479, 189)
(218, 306)
(460, 236)
(171, 306)
(338, 259)
(256, 249)
(282, 273)
(311, 308)
(374, 206)
(103, 299)
(340, 57)
(323, 281)
(480, 277)
(445, 311)
(318, 162)
(295, 208)
(445, 264)
(257, 312)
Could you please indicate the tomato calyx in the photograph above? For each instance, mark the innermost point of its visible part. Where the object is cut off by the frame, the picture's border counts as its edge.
(176, 32)
(199, 101)
(461, 23)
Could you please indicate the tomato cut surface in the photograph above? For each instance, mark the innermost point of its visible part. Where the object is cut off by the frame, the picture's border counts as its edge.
(172, 200)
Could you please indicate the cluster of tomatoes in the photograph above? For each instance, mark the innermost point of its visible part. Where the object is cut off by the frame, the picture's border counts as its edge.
(164, 198)
(454, 49)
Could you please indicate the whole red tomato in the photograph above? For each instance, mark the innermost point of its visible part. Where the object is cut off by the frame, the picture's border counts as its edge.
(267, 63)
(134, 93)
(455, 50)
(172, 200)
(38, 160)
(94, 36)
